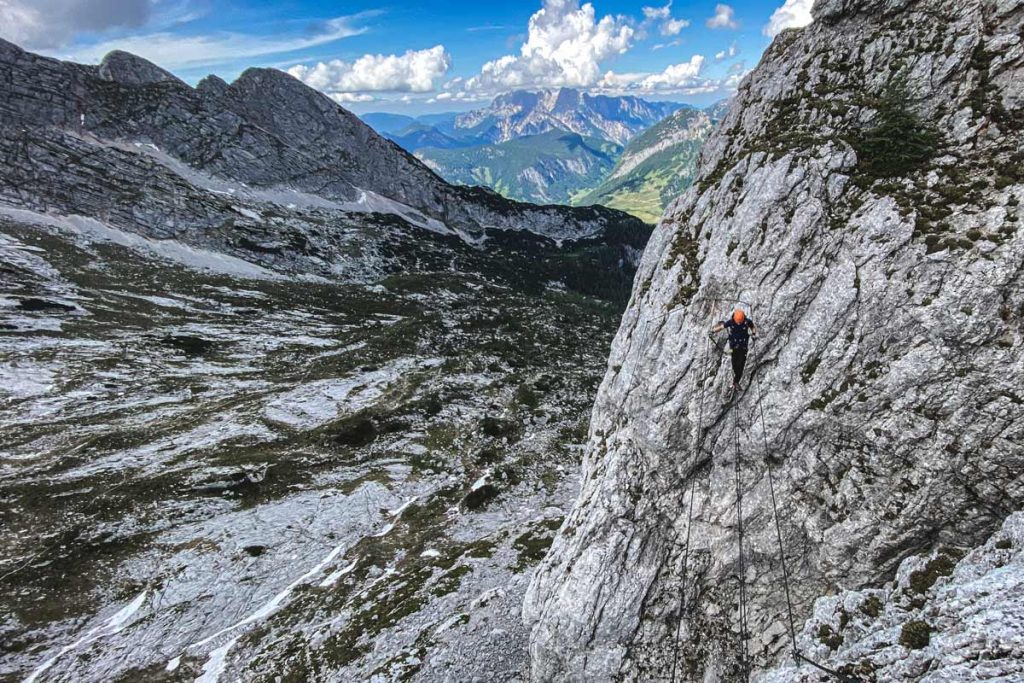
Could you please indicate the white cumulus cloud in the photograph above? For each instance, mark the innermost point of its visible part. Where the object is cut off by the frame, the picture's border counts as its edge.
(793, 14)
(565, 46)
(672, 27)
(682, 78)
(662, 16)
(728, 53)
(413, 71)
(350, 97)
(675, 76)
(657, 13)
(723, 18)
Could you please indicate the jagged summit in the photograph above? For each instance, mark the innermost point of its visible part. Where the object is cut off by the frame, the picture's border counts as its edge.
(128, 69)
(523, 112)
(212, 86)
(266, 129)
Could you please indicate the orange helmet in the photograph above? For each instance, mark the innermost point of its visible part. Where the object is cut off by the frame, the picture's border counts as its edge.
(738, 316)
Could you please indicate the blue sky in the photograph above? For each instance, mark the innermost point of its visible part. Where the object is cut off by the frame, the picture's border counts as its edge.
(414, 56)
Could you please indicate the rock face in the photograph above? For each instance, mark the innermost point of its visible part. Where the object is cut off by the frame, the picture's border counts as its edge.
(266, 130)
(862, 199)
(940, 618)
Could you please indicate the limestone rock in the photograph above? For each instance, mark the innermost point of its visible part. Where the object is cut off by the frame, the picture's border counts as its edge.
(940, 618)
(862, 200)
(128, 69)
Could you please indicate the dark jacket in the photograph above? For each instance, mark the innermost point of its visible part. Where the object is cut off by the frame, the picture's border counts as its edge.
(739, 333)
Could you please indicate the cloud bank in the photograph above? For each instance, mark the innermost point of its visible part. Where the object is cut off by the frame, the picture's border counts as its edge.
(414, 71)
(49, 24)
(793, 14)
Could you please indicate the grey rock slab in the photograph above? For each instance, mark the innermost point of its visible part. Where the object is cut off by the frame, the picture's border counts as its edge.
(886, 374)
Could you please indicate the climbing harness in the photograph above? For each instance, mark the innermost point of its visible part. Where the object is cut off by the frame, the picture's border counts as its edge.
(644, 329)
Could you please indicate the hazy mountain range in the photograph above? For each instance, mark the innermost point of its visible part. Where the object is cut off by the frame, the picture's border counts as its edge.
(562, 146)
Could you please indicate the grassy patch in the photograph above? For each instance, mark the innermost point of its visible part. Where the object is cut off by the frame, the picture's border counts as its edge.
(915, 635)
(533, 545)
(829, 637)
(923, 579)
(872, 606)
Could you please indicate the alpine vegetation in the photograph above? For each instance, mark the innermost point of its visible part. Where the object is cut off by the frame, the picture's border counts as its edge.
(277, 402)
(285, 398)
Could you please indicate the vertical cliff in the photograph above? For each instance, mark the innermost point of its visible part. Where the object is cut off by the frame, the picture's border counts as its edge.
(862, 199)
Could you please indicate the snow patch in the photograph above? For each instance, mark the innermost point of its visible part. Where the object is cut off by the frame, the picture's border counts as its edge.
(92, 230)
(216, 663)
(334, 576)
(113, 625)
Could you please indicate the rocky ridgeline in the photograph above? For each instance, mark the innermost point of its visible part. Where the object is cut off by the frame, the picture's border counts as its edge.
(125, 140)
(520, 113)
(862, 198)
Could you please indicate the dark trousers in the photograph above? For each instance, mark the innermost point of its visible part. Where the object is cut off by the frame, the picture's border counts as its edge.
(739, 359)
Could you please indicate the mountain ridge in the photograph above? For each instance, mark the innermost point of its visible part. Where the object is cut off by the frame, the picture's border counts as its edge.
(488, 146)
(550, 167)
(656, 166)
(314, 146)
(525, 112)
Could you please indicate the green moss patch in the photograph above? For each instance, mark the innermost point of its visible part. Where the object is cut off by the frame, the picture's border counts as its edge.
(915, 635)
(923, 579)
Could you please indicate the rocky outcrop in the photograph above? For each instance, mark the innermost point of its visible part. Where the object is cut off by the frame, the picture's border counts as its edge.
(862, 200)
(941, 618)
(264, 130)
(128, 69)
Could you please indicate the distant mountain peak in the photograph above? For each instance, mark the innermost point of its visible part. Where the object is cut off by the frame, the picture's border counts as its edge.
(523, 112)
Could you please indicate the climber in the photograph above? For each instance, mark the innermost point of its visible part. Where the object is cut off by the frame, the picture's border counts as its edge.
(741, 328)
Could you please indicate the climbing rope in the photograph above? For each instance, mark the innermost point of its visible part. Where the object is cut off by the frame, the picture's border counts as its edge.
(775, 517)
(740, 562)
(798, 657)
(744, 633)
(689, 521)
